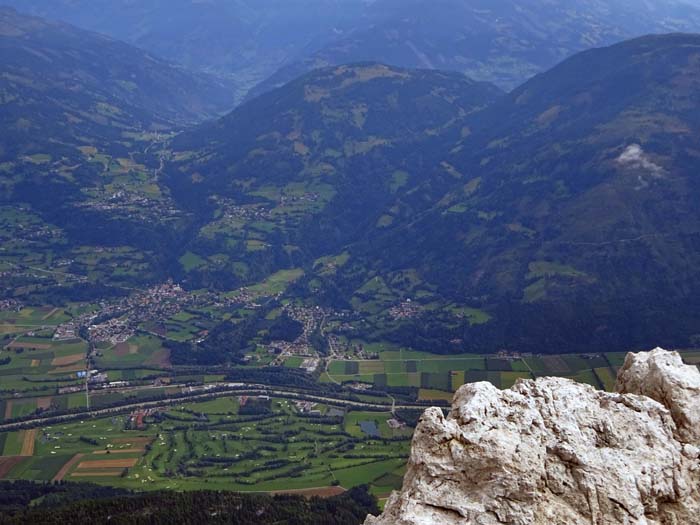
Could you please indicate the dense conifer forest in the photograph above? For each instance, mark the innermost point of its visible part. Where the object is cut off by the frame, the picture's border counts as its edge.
(37, 503)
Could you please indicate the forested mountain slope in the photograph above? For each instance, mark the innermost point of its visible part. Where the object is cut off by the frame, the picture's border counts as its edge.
(67, 86)
(307, 169)
(81, 116)
(560, 216)
(576, 217)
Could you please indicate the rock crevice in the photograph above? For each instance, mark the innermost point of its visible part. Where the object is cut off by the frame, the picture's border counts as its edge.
(552, 451)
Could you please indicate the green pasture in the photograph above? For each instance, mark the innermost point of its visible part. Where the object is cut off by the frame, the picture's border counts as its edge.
(398, 367)
(211, 445)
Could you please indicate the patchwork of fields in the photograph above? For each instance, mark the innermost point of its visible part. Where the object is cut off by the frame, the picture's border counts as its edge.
(33, 361)
(141, 352)
(229, 443)
(34, 367)
(436, 376)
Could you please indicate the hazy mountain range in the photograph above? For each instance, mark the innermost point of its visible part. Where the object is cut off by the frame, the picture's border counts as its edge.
(60, 83)
(270, 42)
(505, 42)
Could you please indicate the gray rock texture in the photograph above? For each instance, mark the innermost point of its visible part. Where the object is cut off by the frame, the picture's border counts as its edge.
(554, 452)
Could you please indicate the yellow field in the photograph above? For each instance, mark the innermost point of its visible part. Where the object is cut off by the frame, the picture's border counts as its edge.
(425, 394)
(28, 440)
(67, 360)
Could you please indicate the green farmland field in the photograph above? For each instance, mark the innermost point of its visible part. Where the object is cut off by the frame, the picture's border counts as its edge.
(407, 368)
(211, 445)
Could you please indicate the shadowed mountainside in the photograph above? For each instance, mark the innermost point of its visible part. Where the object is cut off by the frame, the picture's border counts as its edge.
(60, 83)
(566, 210)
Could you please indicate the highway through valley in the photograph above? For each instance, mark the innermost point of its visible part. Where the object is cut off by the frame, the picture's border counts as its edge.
(204, 392)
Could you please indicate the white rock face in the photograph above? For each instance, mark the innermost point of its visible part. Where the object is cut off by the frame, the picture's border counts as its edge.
(555, 452)
(662, 376)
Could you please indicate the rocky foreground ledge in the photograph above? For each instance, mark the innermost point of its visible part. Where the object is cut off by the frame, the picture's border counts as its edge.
(555, 452)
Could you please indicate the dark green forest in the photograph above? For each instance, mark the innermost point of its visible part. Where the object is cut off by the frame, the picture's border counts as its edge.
(27, 502)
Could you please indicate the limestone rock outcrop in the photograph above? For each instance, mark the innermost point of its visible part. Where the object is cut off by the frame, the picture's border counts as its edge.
(554, 452)
(662, 376)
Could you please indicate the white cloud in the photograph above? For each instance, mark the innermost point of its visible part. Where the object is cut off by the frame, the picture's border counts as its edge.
(635, 158)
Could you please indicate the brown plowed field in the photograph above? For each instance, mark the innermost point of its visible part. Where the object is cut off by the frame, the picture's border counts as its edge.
(7, 463)
(67, 359)
(122, 349)
(159, 358)
(108, 463)
(44, 402)
(67, 369)
(65, 468)
(111, 473)
(321, 492)
(556, 365)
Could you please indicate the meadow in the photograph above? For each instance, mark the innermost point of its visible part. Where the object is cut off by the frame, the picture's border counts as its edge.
(31, 361)
(436, 376)
(143, 350)
(231, 443)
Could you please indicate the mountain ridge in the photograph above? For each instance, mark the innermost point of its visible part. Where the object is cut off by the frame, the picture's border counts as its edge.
(504, 42)
(357, 119)
(507, 221)
(546, 194)
(506, 49)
